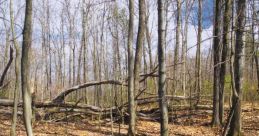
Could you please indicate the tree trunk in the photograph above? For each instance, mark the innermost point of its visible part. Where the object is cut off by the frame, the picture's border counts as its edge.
(25, 68)
(177, 45)
(49, 79)
(216, 53)
(131, 94)
(139, 45)
(162, 69)
(225, 42)
(255, 48)
(85, 11)
(17, 73)
(149, 44)
(198, 53)
(235, 125)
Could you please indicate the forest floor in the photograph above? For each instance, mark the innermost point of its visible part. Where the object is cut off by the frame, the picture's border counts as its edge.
(198, 124)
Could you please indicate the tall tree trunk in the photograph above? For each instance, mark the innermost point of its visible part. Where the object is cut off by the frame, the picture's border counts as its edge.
(131, 94)
(188, 5)
(85, 11)
(162, 69)
(177, 45)
(49, 79)
(225, 42)
(255, 47)
(17, 72)
(25, 68)
(139, 45)
(216, 53)
(198, 53)
(149, 44)
(235, 125)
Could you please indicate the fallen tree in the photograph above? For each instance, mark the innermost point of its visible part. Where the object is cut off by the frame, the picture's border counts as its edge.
(153, 99)
(9, 103)
(61, 97)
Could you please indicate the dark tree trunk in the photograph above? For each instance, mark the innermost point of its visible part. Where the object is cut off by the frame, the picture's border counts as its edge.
(235, 124)
(225, 42)
(216, 55)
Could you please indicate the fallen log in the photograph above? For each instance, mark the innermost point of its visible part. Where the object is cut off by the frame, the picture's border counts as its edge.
(9, 103)
(61, 97)
(153, 99)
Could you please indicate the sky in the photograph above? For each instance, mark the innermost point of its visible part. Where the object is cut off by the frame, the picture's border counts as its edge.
(56, 7)
(207, 14)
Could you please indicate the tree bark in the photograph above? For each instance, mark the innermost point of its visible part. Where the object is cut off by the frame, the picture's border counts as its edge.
(177, 45)
(198, 52)
(216, 57)
(25, 68)
(225, 42)
(139, 45)
(162, 69)
(235, 124)
(131, 94)
(255, 47)
(17, 73)
(149, 44)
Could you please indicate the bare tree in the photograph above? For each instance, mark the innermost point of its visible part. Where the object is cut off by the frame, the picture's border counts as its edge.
(188, 5)
(131, 94)
(17, 72)
(198, 52)
(225, 44)
(255, 47)
(216, 59)
(162, 69)
(235, 124)
(177, 44)
(139, 45)
(148, 38)
(25, 68)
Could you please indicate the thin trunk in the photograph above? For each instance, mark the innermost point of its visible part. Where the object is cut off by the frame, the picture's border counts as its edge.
(216, 52)
(131, 94)
(49, 79)
(184, 45)
(149, 45)
(85, 11)
(162, 69)
(255, 48)
(17, 72)
(257, 66)
(139, 45)
(225, 43)
(177, 45)
(198, 53)
(79, 65)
